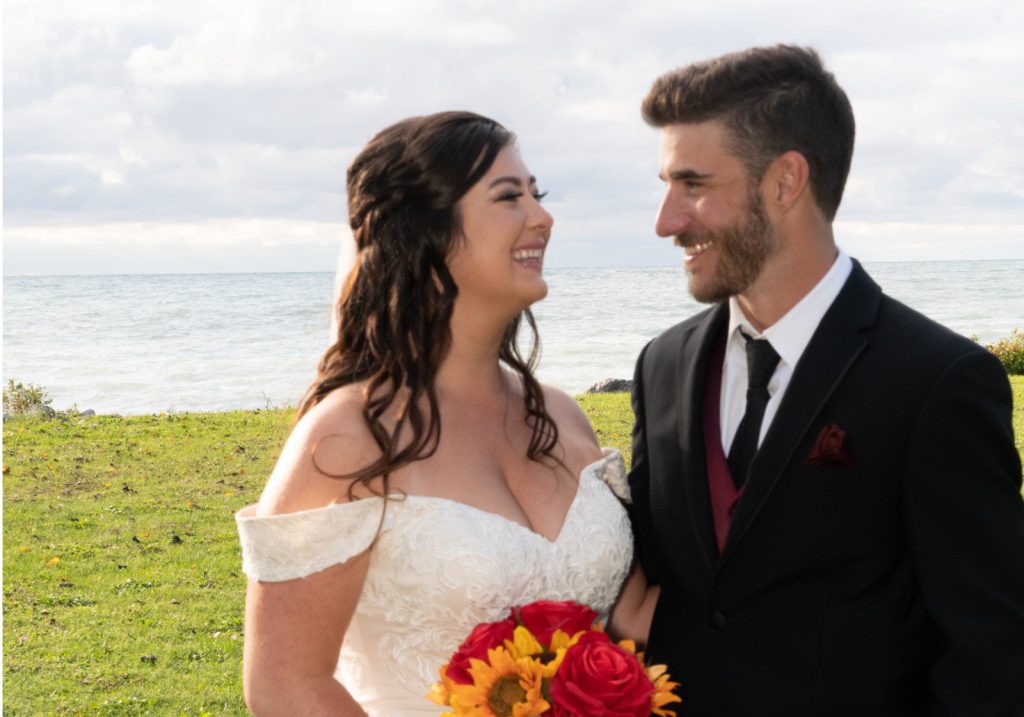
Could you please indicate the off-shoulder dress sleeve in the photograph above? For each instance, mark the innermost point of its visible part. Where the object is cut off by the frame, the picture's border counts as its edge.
(295, 545)
(612, 470)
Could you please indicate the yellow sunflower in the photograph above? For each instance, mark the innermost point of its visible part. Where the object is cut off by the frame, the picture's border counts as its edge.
(523, 644)
(663, 694)
(502, 687)
(563, 641)
(560, 642)
(441, 691)
(630, 647)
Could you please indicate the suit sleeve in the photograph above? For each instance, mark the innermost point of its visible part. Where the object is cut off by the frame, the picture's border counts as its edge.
(965, 519)
(639, 480)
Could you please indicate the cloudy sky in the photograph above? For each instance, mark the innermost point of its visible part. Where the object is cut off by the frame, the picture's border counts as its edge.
(195, 136)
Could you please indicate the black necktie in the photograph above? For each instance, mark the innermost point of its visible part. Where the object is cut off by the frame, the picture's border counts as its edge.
(761, 363)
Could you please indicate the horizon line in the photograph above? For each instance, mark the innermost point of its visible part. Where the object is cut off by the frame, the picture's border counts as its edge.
(553, 268)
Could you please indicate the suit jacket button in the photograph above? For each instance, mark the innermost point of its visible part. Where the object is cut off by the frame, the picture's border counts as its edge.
(718, 620)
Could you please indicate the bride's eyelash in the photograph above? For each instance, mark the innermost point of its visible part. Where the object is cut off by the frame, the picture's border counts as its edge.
(512, 196)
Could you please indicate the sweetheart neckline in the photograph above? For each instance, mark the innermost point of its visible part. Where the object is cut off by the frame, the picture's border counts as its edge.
(246, 514)
(508, 521)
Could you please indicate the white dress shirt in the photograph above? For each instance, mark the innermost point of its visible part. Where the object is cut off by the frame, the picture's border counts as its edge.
(789, 337)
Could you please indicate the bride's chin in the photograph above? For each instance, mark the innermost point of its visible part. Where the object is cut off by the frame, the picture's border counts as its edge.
(538, 293)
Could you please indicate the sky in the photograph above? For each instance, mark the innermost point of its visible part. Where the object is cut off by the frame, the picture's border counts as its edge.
(213, 135)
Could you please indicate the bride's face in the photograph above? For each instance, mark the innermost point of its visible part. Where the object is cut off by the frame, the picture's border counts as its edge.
(498, 260)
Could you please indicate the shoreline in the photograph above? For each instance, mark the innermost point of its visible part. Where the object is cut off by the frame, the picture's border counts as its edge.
(1016, 386)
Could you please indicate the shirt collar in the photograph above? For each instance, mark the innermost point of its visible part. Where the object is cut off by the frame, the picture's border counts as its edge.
(790, 335)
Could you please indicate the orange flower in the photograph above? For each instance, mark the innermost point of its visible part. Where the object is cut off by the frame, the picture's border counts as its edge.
(663, 694)
(441, 691)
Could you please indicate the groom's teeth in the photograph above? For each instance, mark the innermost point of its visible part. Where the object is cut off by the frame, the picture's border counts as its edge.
(695, 249)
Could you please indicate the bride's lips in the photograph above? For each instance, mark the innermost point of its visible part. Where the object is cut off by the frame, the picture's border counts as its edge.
(530, 255)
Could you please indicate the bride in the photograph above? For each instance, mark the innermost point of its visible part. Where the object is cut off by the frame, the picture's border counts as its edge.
(430, 482)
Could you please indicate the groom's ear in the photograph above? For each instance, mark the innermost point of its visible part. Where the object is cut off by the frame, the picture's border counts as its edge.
(788, 180)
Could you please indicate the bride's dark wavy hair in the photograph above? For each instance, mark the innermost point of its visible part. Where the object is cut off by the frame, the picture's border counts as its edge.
(395, 308)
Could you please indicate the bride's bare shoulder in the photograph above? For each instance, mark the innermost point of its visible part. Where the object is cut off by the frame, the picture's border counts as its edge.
(326, 445)
(573, 425)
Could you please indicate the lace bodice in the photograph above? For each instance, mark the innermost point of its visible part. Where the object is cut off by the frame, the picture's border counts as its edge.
(438, 569)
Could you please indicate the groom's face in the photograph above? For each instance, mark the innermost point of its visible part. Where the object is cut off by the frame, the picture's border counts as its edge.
(713, 211)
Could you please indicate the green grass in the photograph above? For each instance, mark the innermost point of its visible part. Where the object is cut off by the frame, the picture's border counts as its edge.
(122, 588)
(612, 419)
(1017, 385)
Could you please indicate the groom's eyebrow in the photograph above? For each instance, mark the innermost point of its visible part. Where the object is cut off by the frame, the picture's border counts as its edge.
(686, 174)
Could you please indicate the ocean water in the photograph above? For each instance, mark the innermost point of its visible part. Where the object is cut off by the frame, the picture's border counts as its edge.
(206, 342)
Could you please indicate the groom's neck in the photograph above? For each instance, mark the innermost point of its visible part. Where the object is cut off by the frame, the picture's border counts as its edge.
(800, 262)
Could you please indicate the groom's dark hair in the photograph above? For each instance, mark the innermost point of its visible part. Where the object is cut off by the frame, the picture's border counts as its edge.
(771, 100)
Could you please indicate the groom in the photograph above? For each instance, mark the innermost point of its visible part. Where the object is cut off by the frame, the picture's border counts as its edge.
(825, 482)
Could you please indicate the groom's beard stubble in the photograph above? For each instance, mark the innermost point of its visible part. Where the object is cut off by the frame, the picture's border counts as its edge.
(742, 249)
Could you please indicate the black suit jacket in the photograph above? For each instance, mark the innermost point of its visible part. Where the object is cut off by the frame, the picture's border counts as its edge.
(891, 587)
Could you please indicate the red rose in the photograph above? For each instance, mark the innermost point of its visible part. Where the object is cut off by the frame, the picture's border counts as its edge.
(597, 678)
(485, 636)
(831, 446)
(543, 617)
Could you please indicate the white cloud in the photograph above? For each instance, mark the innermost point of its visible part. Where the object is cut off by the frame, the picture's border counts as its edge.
(259, 45)
(365, 97)
(147, 114)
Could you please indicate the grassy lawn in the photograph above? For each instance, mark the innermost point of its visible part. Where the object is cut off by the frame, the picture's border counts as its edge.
(122, 588)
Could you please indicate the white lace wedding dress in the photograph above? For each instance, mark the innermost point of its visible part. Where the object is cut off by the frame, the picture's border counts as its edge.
(438, 569)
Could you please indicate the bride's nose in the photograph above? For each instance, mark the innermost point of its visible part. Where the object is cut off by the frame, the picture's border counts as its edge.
(542, 218)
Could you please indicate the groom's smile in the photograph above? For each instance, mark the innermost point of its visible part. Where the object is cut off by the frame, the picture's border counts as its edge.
(712, 211)
(695, 249)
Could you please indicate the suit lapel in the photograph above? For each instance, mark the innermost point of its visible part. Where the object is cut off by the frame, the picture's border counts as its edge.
(835, 345)
(692, 369)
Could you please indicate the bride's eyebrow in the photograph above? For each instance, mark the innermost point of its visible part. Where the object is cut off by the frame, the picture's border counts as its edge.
(511, 180)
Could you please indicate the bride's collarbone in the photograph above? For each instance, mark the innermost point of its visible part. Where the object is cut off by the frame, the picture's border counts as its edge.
(535, 494)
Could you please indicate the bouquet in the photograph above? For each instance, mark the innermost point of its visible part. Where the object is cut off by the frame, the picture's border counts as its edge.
(551, 658)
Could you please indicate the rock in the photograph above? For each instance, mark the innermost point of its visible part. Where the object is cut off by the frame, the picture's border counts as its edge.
(611, 385)
(87, 412)
(41, 411)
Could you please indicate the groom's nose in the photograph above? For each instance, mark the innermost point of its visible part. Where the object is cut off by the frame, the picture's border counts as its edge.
(673, 216)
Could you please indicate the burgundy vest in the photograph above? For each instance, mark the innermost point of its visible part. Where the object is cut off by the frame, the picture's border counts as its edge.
(724, 494)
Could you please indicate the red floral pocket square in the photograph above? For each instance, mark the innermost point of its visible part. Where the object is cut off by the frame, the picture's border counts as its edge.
(832, 447)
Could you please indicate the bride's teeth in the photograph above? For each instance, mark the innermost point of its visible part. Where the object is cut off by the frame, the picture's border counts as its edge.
(523, 254)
